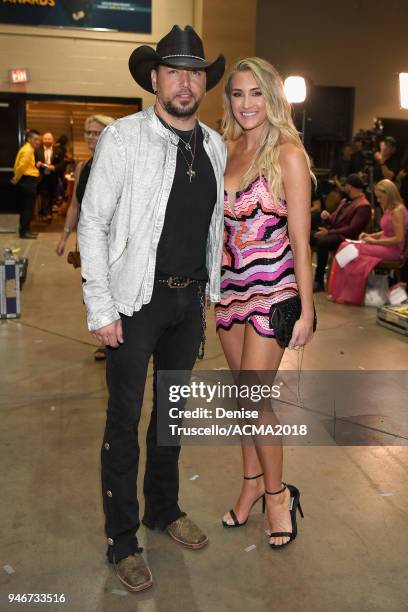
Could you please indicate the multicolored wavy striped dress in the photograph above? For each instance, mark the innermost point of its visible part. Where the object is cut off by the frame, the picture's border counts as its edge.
(257, 265)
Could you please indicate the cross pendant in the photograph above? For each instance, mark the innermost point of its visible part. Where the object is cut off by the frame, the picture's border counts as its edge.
(191, 173)
(188, 146)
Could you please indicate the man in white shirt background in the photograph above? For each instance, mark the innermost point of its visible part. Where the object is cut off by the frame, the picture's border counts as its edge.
(50, 162)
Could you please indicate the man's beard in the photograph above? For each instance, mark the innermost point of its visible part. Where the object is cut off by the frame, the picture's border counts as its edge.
(176, 111)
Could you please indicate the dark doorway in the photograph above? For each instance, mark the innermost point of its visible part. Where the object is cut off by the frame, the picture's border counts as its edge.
(328, 122)
(19, 112)
(11, 120)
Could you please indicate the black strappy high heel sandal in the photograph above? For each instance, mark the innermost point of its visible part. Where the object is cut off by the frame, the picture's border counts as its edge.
(294, 505)
(236, 522)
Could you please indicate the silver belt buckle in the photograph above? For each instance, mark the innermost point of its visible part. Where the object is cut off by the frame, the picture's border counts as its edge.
(178, 282)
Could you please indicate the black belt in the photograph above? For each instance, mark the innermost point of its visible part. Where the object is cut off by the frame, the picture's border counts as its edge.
(177, 282)
(180, 282)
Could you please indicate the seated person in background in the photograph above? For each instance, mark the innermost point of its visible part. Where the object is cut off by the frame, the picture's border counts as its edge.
(347, 285)
(387, 164)
(348, 220)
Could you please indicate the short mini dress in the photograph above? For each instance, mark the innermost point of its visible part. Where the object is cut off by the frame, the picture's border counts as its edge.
(257, 262)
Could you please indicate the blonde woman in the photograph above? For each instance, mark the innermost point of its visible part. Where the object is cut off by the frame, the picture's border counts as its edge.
(267, 199)
(347, 285)
(93, 128)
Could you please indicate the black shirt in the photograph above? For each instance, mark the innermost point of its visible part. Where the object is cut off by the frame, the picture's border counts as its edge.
(183, 242)
(392, 163)
(82, 181)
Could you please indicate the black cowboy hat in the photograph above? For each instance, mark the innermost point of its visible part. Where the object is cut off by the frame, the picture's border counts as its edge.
(178, 49)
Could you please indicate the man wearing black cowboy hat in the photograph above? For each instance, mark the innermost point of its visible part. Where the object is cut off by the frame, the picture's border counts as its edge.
(150, 236)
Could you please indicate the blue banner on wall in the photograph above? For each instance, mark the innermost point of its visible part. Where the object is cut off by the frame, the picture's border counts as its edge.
(122, 15)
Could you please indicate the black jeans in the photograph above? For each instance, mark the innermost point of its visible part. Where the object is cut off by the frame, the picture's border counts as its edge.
(47, 189)
(27, 191)
(169, 328)
(324, 245)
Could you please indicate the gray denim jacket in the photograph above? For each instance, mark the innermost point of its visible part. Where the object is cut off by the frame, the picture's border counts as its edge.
(122, 215)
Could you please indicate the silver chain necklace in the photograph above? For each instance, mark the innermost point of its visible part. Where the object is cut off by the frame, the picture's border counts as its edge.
(186, 144)
(190, 172)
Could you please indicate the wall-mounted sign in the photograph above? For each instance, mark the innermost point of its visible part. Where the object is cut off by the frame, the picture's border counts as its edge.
(19, 75)
(122, 15)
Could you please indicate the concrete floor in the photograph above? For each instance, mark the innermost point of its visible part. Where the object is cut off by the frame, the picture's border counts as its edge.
(351, 552)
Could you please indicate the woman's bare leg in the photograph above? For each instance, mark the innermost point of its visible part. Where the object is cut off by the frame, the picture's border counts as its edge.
(264, 355)
(232, 342)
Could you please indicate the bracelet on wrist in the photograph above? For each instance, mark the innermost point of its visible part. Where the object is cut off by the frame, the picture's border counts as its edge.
(67, 230)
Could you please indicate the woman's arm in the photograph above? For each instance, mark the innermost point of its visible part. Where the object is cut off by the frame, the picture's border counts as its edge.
(397, 218)
(296, 184)
(364, 235)
(72, 216)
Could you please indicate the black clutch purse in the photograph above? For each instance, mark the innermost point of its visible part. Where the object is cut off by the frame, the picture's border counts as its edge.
(283, 316)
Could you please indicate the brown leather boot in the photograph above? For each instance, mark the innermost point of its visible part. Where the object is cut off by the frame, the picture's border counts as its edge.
(134, 573)
(187, 533)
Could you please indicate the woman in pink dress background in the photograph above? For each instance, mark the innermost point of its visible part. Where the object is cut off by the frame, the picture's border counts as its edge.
(347, 285)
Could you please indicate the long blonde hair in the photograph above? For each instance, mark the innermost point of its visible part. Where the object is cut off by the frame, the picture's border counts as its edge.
(279, 127)
(392, 195)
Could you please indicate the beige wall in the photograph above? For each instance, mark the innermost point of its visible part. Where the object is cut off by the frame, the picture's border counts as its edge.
(360, 44)
(228, 26)
(76, 62)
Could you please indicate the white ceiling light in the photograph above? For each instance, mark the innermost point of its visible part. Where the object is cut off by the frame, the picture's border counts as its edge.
(403, 83)
(295, 89)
